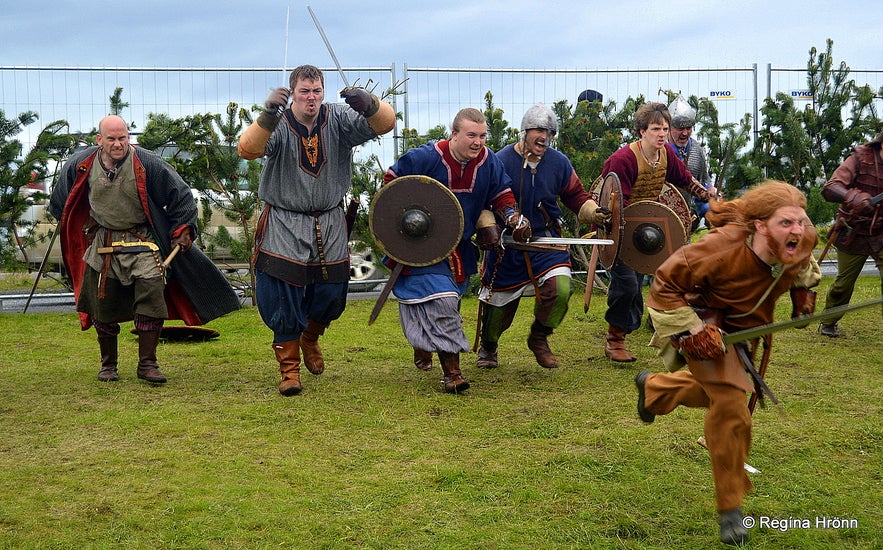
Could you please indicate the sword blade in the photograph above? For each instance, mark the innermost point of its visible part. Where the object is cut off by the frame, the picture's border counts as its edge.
(769, 328)
(507, 239)
(384, 294)
(328, 45)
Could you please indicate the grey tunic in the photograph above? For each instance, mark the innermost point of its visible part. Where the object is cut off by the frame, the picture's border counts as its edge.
(303, 183)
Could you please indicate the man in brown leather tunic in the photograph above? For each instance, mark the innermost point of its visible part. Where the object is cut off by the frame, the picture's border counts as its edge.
(761, 247)
(860, 233)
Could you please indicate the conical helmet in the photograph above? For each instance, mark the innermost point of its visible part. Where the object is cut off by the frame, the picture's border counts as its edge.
(682, 115)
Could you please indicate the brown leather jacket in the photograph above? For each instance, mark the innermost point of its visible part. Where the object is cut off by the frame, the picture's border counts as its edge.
(861, 233)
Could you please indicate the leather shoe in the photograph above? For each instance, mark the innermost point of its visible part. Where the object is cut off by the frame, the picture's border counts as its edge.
(640, 381)
(486, 359)
(829, 330)
(733, 531)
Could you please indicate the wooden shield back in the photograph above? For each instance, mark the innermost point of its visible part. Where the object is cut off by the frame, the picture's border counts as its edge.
(607, 192)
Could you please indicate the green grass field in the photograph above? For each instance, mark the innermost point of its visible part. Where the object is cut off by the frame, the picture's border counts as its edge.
(374, 455)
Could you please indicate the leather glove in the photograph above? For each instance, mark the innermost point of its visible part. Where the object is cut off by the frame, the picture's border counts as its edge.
(803, 302)
(276, 102)
(488, 238)
(360, 100)
(858, 202)
(592, 214)
(183, 239)
(704, 345)
(520, 226)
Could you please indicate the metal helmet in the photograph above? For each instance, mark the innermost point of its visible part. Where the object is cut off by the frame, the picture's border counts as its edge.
(682, 115)
(539, 117)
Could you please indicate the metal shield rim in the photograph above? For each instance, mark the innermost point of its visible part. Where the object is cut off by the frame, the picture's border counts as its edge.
(376, 231)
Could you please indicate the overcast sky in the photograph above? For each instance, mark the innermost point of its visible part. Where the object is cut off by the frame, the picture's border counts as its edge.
(483, 34)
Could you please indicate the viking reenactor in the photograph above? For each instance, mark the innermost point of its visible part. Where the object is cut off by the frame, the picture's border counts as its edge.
(122, 209)
(691, 153)
(540, 177)
(643, 168)
(429, 295)
(301, 255)
(760, 248)
(857, 233)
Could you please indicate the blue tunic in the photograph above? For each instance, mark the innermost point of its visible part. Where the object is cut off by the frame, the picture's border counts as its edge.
(480, 184)
(537, 191)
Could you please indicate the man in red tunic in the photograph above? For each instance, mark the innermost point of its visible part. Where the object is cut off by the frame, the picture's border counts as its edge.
(761, 247)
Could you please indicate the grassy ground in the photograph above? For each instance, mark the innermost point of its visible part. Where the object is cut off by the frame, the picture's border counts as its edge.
(374, 455)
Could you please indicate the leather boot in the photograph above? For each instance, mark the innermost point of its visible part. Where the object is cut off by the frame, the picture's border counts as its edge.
(148, 369)
(423, 359)
(288, 355)
(109, 358)
(487, 356)
(309, 343)
(537, 343)
(614, 348)
(453, 380)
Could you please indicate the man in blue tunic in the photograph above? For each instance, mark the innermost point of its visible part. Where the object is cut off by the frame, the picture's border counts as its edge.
(429, 297)
(540, 176)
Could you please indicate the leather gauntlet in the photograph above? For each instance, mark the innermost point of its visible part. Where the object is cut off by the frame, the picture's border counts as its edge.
(803, 302)
(704, 345)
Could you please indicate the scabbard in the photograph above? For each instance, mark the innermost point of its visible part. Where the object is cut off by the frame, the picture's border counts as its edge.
(759, 384)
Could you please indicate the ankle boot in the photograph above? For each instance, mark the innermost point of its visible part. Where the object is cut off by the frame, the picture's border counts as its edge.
(423, 359)
(453, 380)
(288, 356)
(109, 358)
(614, 348)
(537, 343)
(487, 356)
(148, 369)
(309, 343)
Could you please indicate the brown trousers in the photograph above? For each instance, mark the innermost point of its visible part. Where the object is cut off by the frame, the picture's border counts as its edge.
(727, 422)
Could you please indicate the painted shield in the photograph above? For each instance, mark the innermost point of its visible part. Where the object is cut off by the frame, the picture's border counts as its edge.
(672, 198)
(607, 192)
(416, 220)
(652, 232)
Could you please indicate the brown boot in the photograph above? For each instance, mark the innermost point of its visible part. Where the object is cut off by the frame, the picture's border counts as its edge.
(614, 348)
(148, 369)
(423, 359)
(309, 343)
(453, 380)
(288, 355)
(109, 358)
(487, 356)
(537, 343)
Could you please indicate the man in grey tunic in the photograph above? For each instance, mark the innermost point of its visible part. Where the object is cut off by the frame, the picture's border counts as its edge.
(301, 253)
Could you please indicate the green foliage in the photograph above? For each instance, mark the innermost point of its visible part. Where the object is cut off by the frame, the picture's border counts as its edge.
(499, 134)
(38, 165)
(805, 146)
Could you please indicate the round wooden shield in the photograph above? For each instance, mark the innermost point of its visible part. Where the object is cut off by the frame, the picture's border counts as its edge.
(672, 198)
(607, 192)
(653, 231)
(416, 220)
